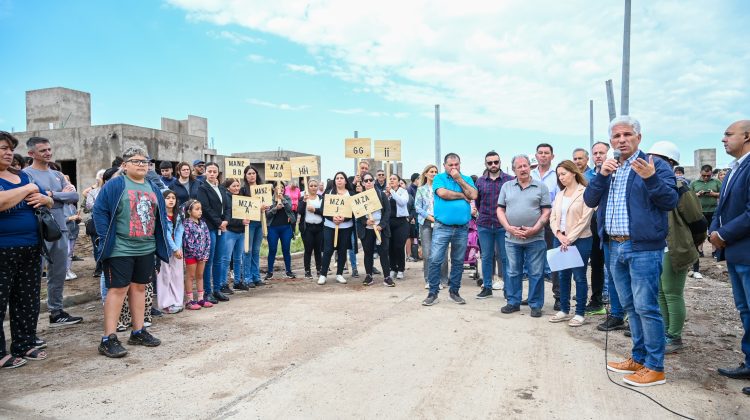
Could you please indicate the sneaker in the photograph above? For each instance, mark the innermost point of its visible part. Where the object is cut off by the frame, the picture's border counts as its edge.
(146, 324)
(375, 271)
(112, 347)
(156, 312)
(251, 285)
(611, 324)
(143, 338)
(221, 297)
(70, 275)
(226, 290)
(389, 282)
(308, 274)
(411, 259)
(193, 305)
(427, 285)
(595, 309)
(290, 275)
(626, 366)
(63, 318)
(393, 274)
(322, 280)
(39, 344)
(498, 285)
(122, 328)
(525, 302)
(536, 312)
(690, 273)
(340, 279)
(400, 275)
(485, 293)
(96, 274)
(645, 377)
(508, 309)
(355, 273)
(205, 304)
(368, 280)
(262, 282)
(697, 275)
(240, 285)
(560, 317)
(455, 297)
(673, 345)
(209, 297)
(269, 275)
(430, 300)
(440, 286)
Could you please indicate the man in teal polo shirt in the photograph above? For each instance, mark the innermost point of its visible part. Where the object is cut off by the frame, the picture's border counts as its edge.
(452, 211)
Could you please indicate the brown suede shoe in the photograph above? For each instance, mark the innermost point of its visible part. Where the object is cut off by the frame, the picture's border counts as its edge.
(645, 377)
(626, 366)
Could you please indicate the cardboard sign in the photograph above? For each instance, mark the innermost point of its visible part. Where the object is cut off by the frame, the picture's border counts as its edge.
(278, 170)
(246, 208)
(304, 166)
(337, 205)
(388, 150)
(264, 192)
(234, 167)
(365, 203)
(357, 148)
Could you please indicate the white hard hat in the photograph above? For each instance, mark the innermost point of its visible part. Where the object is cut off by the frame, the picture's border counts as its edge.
(533, 161)
(667, 149)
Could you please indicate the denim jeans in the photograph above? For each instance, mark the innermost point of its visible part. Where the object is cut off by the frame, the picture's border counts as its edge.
(532, 255)
(739, 275)
(489, 240)
(442, 236)
(579, 274)
(251, 260)
(283, 233)
(426, 231)
(233, 244)
(637, 276)
(213, 265)
(615, 308)
(352, 254)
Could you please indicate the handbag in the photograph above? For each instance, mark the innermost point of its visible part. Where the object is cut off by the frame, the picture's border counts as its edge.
(49, 230)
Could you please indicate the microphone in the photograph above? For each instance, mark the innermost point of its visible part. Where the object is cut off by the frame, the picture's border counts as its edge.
(617, 153)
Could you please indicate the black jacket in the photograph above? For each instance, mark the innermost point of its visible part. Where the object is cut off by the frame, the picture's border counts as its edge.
(235, 225)
(385, 217)
(183, 195)
(302, 210)
(213, 208)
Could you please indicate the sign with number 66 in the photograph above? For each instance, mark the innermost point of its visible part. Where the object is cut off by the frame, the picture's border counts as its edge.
(358, 148)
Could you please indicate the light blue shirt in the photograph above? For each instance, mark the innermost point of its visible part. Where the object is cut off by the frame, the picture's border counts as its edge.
(550, 180)
(617, 221)
(451, 212)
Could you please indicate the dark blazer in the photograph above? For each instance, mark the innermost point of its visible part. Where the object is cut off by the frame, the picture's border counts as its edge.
(302, 210)
(385, 217)
(732, 216)
(212, 206)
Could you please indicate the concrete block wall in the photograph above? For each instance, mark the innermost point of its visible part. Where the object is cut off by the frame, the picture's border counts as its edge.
(57, 108)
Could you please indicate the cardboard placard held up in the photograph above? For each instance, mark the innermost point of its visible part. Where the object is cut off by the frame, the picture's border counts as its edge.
(246, 208)
(358, 148)
(365, 203)
(304, 166)
(278, 170)
(337, 205)
(388, 150)
(264, 192)
(234, 167)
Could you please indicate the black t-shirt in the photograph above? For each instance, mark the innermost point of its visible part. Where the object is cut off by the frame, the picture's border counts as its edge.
(280, 218)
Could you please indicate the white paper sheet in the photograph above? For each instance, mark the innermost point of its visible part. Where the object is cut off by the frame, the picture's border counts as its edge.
(559, 260)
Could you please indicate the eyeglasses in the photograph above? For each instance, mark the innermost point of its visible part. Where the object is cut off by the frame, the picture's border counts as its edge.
(138, 162)
(492, 162)
(381, 175)
(368, 180)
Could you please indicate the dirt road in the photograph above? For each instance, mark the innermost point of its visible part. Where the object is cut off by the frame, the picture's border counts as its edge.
(298, 350)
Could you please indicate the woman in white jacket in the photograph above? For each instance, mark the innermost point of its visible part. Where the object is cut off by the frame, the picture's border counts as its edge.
(398, 198)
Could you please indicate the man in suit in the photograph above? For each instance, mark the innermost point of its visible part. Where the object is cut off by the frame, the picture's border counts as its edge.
(730, 233)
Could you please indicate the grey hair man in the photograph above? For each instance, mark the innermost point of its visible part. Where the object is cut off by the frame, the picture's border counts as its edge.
(581, 159)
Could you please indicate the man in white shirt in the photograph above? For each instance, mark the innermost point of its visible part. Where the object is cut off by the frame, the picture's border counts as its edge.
(545, 174)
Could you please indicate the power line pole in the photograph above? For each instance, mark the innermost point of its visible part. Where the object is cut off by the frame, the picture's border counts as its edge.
(437, 135)
(625, 93)
(610, 100)
(591, 122)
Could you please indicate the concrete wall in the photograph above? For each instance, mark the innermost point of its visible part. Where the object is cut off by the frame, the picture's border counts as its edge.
(58, 106)
(700, 157)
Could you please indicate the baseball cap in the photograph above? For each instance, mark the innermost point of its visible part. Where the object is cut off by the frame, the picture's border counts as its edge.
(198, 162)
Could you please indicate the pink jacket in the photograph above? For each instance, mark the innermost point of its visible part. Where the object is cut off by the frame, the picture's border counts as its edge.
(578, 218)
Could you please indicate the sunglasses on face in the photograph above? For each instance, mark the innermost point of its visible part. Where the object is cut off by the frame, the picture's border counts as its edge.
(368, 180)
(492, 162)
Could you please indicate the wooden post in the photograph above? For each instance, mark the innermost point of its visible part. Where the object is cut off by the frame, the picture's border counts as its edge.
(247, 238)
(375, 228)
(336, 237)
(263, 223)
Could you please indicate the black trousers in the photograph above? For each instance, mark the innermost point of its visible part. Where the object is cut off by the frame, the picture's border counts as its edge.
(20, 283)
(313, 241)
(596, 261)
(369, 246)
(549, 237)
(344, 243)
(399, 233)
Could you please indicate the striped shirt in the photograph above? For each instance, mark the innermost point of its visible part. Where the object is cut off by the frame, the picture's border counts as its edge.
(617, 222)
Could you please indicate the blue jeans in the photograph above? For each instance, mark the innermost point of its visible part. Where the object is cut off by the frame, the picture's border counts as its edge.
(615, 308)
(352, 254)
(739, 275)
(489, 240)
(233, 243)
(283, 232)
(442, 236)
(251, 260)
(213, 265)
(579, 274)
(637, 276)
(532, 255)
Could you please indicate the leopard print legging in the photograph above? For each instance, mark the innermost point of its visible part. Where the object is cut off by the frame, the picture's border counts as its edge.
(126, 320)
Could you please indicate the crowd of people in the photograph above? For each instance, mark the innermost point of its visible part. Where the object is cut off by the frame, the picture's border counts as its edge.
(168, 242)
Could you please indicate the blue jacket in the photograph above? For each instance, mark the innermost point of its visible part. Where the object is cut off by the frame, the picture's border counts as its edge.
(732, 216)
(649, 201)
(183, 195)
(105, 211)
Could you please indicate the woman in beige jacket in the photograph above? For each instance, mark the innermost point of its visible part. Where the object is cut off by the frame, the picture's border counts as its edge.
(571, 223)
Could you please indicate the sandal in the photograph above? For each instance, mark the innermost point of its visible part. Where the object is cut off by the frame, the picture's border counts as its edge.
(560, 317)
(10, 362)
(577, 321)
(35, 354)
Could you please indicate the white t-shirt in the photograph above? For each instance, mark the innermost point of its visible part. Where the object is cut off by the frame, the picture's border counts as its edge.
(311, 217)
(564, 214)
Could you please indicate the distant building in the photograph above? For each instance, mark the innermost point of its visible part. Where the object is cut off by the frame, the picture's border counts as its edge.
(700, 157)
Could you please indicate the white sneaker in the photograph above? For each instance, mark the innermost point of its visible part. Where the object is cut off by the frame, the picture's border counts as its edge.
(322, 280)
(146, 324)
(498, 285)
(697, 275)
(427, 285)
(70, 275)
(340, 279)
(441, 287)
(690, 273)
(400, 275)
(393, 274)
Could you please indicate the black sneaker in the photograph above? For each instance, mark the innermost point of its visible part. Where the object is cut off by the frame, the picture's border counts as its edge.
(509, 309)
(485, 293)
(430, 300)
(455, 297)
(97, 274)
(209, 297)
(155, 312)
(112, 347)
(557, 304)
(536, 313)
(240, 285)
(269, 275)
(63, 318)
(376, 271)
(226, 290)
(221, 297)
(290, 275)
(251, 285)
(368, 280)
(143, 338)
(39, 343)
(308, 274)
(611, 324)
(355, 273)
(389, 282)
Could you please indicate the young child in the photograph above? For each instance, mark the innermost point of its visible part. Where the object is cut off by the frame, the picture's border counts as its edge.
(170, 282)
(195, 246)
